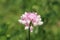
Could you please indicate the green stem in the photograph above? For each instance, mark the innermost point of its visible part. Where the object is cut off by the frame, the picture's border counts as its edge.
(29, 33)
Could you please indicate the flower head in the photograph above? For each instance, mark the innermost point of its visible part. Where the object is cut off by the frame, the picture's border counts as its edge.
(30, 17)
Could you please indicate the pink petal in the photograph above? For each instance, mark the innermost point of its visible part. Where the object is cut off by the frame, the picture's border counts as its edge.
(31, 29)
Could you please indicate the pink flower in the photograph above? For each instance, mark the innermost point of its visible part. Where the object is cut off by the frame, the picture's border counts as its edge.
(30, 17)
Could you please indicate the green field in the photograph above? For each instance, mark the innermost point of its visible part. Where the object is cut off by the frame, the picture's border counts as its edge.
(11, 10)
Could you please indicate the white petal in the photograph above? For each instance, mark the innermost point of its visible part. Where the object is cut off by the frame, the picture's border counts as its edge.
(23, 22)
(35, 24)
(26, 27)
(38, 16)
(40, 23)
(23, 15)
(35, 13)
(40, 19)
(25, 12)
(20, 21)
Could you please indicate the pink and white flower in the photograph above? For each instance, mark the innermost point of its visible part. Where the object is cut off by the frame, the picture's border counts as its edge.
(30, 17)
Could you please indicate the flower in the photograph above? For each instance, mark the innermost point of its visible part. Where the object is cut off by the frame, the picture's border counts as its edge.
(30, 17)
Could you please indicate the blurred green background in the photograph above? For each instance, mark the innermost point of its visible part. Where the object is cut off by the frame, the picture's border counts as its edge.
(11, 10)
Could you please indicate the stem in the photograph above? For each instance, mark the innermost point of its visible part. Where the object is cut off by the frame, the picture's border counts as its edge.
(29, 33)
(29, 30)
(28, 38)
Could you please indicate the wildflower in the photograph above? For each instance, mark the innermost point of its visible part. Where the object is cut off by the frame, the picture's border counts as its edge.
(30, 17)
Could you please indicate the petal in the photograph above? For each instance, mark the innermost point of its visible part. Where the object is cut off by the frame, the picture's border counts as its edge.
(26, 27)
(20, 21)
(39, 19)
(23, 15)
(23, 22)
(38, 16)
(28, 21)
(35, 13)
(26, 24)
(25, 12)
(35, 24)
(31, 29)
(40, 23)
